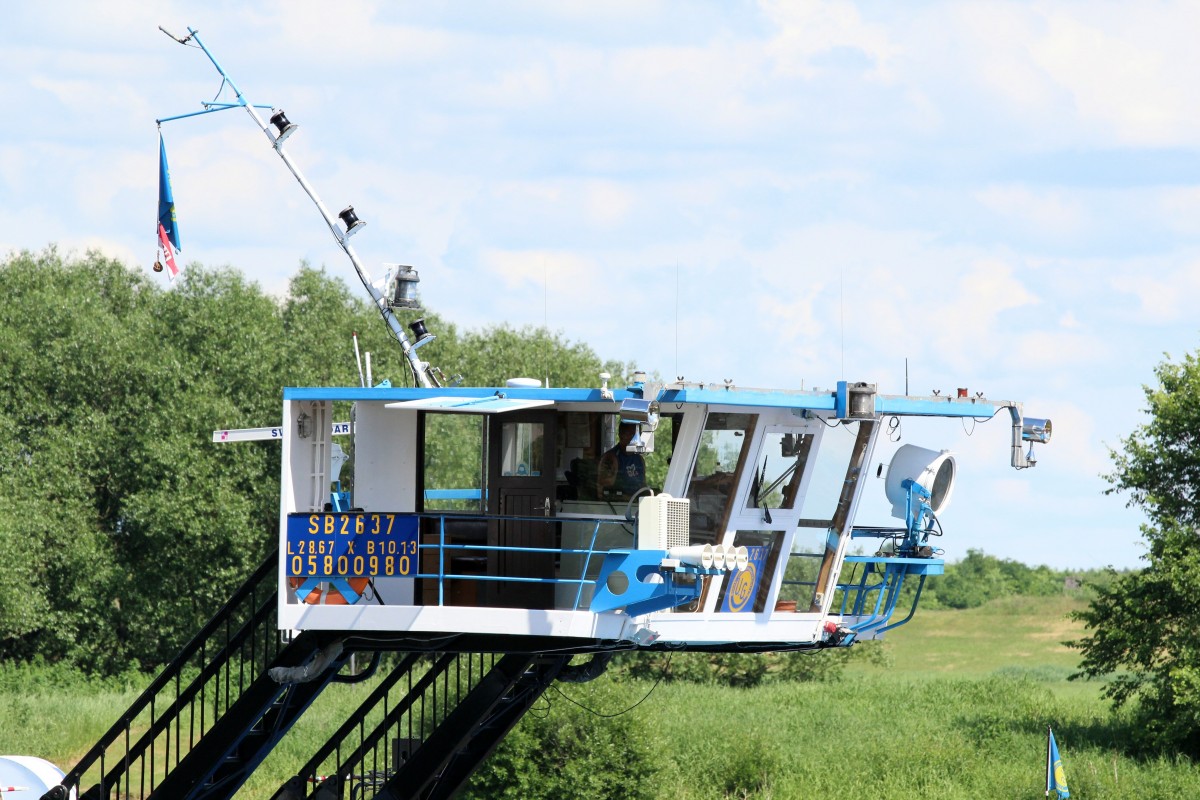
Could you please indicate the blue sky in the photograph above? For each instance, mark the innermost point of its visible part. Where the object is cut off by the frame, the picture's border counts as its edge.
(1003, 193)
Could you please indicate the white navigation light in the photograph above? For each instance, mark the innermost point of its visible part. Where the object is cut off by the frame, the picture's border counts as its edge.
(401, 287)
(932, 469)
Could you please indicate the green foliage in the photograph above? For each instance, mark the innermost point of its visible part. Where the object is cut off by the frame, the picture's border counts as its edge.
(949, 717)
(1144, 627)
(565, 750)
(979, 578)
(123, 527)
(747, 669)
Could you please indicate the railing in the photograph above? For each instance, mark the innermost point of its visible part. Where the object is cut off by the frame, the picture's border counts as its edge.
(188, 697)
(883, 580)
(409, 702)
(558, 556)
(578, 578)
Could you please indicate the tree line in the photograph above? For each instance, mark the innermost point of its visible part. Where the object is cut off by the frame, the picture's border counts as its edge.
(122, 527)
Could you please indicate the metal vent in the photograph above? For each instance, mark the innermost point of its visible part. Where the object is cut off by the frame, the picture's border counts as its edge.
(663, 522)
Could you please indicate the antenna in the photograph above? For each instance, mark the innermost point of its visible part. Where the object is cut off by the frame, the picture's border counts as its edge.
(184, 40)
(676, 317)
(842, 321)
(358, 360)
(426, 376)
(546, 315)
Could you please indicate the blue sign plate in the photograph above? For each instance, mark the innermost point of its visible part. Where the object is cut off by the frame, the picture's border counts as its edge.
(351, 545)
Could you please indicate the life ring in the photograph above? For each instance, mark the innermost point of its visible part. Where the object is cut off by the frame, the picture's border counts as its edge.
(326, 593)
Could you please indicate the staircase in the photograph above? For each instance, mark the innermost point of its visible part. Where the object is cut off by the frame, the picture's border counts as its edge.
(214, 713)
(426, 727)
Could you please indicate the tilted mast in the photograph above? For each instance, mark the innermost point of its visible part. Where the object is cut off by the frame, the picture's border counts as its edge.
(400, 285)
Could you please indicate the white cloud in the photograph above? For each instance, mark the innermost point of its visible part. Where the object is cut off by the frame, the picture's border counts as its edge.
(1130, 84)
(1049, 210)
(843, 186)
(811, 28)
(1164, 295)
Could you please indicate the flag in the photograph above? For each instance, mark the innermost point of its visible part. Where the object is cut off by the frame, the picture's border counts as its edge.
(168, 231)
(1056, 779)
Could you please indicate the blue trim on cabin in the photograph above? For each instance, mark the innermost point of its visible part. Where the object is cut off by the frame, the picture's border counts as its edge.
(798, 400)
(396, 393)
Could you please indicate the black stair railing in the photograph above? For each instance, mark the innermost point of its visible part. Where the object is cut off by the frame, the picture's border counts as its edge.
(187, 698)
(390, 726)
(469, 732)
(425, 727)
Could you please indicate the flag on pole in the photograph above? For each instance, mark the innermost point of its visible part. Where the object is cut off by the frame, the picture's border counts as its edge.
(168, 231)
(1056, 778)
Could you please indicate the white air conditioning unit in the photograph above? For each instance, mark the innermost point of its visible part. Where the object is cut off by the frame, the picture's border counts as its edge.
(663, 522)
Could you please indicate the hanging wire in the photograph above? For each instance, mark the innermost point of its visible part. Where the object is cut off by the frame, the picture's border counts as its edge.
(596, 713)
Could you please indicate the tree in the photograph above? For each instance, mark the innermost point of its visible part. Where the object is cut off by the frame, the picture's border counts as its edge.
(1144, 627)
(122, 526)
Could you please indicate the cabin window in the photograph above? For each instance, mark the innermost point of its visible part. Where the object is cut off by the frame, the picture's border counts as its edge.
(454, 446)
(715, 476)
(521, 449)
(777, 476)
(595, 474)
(803, 568)
(829, 473)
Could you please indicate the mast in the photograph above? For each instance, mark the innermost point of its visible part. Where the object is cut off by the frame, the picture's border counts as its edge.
(424, 374)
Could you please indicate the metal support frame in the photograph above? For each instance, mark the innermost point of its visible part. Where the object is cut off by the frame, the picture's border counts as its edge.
(420, 369)
(473, 729)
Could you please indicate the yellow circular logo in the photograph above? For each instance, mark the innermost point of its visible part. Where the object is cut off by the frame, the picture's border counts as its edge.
(742, 588)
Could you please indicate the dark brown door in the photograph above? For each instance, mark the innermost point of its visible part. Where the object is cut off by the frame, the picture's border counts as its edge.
(521, 479)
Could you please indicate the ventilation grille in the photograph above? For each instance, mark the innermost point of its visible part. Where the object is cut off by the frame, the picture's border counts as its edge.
(663, 522)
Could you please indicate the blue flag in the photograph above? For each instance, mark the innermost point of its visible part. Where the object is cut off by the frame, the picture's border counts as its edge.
(168, 231)
(1056, 779)
(166, 200)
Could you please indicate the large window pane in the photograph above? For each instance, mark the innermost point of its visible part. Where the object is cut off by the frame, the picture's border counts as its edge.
(829, 473)
(454, 459)
(714, 478)
(780, 469)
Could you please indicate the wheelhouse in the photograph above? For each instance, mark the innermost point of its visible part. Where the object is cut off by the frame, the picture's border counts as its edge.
(706, 517)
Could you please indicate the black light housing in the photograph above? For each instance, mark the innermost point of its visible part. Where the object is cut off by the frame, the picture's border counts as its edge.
(421, 334)
(285, 127)
(350, 220)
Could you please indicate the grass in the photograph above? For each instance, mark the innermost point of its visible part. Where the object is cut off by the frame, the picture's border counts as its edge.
(959, 712)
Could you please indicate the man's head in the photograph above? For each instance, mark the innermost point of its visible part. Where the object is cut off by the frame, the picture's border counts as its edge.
(625, 433)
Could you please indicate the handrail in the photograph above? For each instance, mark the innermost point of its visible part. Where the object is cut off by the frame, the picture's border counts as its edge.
(171, 672)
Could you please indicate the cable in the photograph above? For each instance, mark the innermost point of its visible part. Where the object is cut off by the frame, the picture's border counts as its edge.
(596, 713)
(632, 497)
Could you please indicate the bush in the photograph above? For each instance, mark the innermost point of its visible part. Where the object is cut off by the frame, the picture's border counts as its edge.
(562, 750)
(747, 669)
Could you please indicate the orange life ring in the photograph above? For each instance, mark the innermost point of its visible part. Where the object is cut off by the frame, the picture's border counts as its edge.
(327, 594)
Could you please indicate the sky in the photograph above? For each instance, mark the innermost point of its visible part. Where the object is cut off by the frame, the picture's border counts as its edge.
(1000, 196)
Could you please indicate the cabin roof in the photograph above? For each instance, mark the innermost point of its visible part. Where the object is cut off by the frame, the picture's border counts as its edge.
(713, 394)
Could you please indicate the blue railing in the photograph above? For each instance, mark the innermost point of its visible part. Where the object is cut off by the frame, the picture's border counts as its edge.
(444, 551)
(883, 577)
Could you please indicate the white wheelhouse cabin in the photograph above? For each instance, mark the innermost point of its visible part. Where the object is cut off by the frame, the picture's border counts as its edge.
(488, 515)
